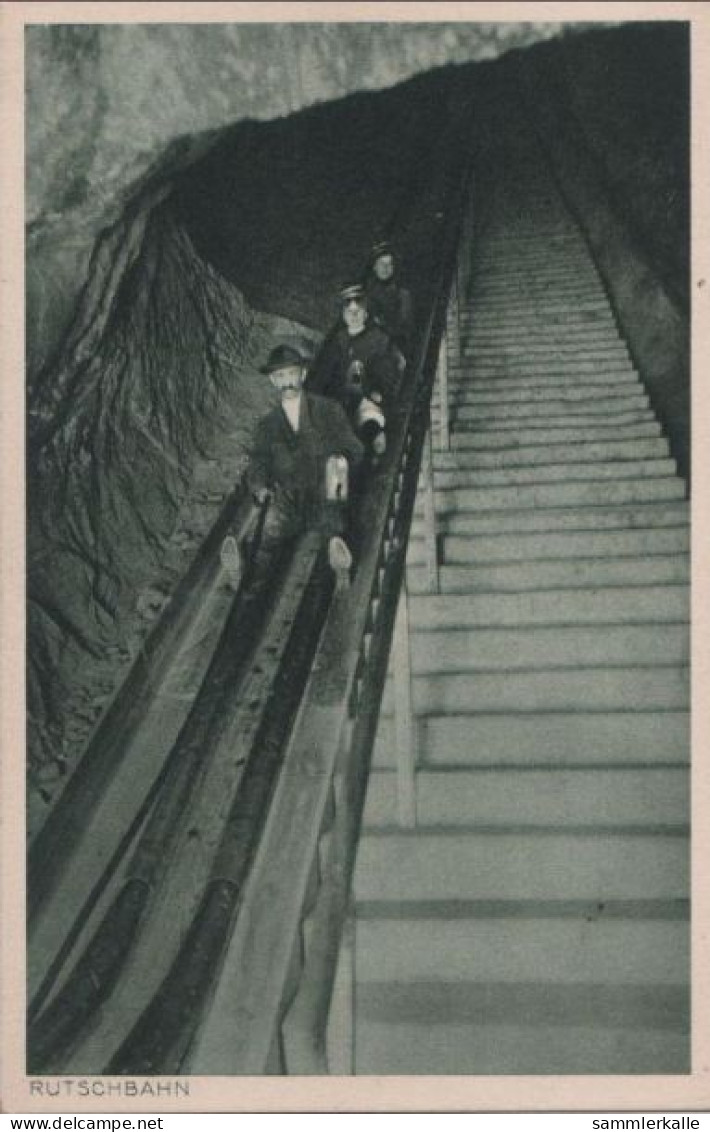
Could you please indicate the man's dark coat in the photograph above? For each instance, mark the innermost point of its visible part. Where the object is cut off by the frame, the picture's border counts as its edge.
(391, 308)
(292, 464)
(371, 350)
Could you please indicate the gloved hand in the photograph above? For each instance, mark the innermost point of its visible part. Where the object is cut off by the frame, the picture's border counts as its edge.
(353, 377)
(379, 444)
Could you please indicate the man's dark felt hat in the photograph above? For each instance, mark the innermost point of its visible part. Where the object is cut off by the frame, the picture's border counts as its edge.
(384, 247)
(281, 357)
(352, 291)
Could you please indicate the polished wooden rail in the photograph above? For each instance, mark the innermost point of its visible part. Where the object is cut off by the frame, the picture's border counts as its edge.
(122, 772)
(272, 1001)
(51, 850)
(209, 724)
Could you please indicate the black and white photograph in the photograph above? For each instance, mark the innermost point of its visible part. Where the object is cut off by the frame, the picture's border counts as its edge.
(357, 524)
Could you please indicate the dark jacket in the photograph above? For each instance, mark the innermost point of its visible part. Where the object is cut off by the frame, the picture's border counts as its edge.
(391, 308)
(292, 464)
(371, 352)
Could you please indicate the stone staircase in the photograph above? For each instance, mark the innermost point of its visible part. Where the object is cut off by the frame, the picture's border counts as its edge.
(535, 921)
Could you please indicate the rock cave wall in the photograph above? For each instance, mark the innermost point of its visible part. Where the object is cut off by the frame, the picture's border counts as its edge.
(107, 104)
(130, 418)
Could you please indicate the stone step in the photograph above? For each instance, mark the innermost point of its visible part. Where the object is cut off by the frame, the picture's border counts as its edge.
(530, 294)
(471, 372)
(481, 419)
(524, 496)
(543, 435)
(515, 424)
(561, 349)
(507, 232)
(602, 797)
(498, 330)
(472, 650)
(527, 547)
(461, 384)
(569, 247)
(540, 308)
(572, 266)
(544, 739)
(571, 392)
(567, 269)
(575, 266)
(562, 646)
(566, 280)
(501, 320)
(552, 473)
(610, 605)
(492, 252)
(527, 948)
(604, 689)
(489, 257)
(553, 408)
(494, 338)
(476, 360)
(605, 330)
(495, 244)
(573, 257)
(571, 274)
(497, 326)
(525, 292)
(491, 368)
(507, 241)
(539, 455)
(471, 339)
(536, 865)
(530, 1030)
(563, 573)
(633, 517)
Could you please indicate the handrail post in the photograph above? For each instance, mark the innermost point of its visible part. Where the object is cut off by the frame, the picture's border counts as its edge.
(405, 736)
(442, 373)
(453, 315)
(463, 273)
(431, 552)
(340, 1032)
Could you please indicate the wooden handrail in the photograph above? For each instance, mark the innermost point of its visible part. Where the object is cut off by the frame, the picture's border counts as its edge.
(116, 772)
(271, 1003)
(51, 850)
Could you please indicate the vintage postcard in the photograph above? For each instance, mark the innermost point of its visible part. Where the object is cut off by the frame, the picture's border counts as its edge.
(354, 656)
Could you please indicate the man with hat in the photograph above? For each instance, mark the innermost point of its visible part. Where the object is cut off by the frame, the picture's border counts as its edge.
(358, 368)
(389, 303)
(304, 451)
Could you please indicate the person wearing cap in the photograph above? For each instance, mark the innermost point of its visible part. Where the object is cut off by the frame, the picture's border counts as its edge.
(303, 454)
(358, 368)
(390, 304)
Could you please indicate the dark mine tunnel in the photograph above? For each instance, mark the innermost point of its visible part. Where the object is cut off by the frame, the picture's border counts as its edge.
(160, 275)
